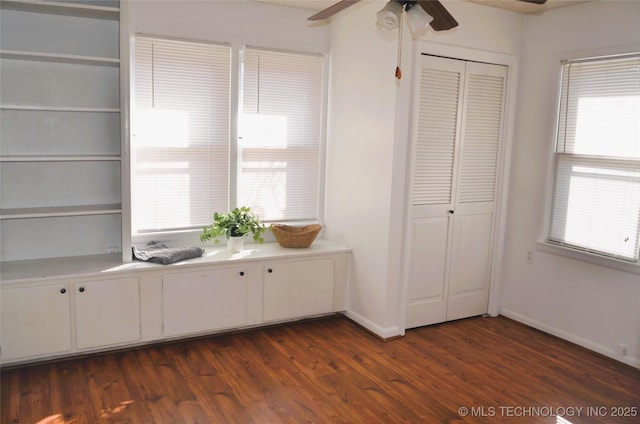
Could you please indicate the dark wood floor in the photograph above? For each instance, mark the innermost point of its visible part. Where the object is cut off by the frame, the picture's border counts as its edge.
(332, 371)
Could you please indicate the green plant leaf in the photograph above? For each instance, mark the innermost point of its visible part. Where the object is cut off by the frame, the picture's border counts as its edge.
(239, 222)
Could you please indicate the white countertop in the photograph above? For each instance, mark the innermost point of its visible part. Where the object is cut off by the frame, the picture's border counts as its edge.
(77, 266)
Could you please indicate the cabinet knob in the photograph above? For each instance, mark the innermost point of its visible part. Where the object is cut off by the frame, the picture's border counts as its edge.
(63, 290)
(270, 270)
(451, 211)
(241, 273)
(81, 289)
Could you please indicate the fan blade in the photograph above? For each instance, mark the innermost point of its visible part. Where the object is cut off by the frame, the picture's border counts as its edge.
(442, 19)
(535, 1)
(332, 10)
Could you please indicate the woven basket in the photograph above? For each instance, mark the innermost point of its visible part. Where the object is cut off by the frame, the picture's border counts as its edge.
(288, 236)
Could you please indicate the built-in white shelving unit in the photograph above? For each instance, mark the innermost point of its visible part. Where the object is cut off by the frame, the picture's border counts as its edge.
(61, 307)
(61, 161)
(62, 58)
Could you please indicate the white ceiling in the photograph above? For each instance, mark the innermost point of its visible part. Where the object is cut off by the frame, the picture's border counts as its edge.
(527, 8)
(315, 5)
(512, 5)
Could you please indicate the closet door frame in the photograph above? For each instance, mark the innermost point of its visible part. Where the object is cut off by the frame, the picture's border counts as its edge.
(461, 53)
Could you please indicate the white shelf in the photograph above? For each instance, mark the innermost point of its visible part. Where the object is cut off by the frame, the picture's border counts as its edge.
(30, 134)
(52, 212)
(60, 7)
(57, 57)
(68, 158)
(61, 157)
(58, 84)
(60, 108)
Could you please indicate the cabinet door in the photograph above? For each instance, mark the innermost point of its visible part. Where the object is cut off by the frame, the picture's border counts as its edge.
(35, 321)
(297, 289)
(107, 312)
(205, 301)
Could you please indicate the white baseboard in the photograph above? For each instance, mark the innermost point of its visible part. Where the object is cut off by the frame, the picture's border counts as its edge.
(588, 344)
(384, 333)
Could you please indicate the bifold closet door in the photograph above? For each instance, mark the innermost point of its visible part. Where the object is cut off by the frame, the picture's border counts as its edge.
(456, 153)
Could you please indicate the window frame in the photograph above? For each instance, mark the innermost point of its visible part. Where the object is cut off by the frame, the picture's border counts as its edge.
(543, 243)
(321, 154)
(133, 124)
(191, 235)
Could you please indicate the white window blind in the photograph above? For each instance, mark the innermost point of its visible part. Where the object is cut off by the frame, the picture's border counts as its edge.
(596, 199)
(280, 131)
(180, 134)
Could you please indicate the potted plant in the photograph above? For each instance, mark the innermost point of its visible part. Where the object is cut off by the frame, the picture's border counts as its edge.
(234, 225)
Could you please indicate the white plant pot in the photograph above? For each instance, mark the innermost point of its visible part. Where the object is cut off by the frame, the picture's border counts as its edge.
(235, 244)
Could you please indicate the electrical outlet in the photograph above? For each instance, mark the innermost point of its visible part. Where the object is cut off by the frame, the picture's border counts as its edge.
(530, 255)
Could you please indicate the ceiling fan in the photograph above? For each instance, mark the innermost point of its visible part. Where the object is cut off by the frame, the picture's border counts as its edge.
(430, 13)
(442, 19)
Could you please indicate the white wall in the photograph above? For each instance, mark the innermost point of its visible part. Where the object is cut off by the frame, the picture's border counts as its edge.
(359, 158)
(234, 21)
(237, 22)
(369, 122)
(594, 306)
(368, 137)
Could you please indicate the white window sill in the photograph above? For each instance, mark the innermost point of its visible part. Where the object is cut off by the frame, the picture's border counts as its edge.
(633, 268)
(192, 237)
(101, 266)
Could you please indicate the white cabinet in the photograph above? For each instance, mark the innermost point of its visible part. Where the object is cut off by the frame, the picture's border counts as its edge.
(204, 301)
(107, 312)
(36, 321)
(60, 157)
(456, 162)
(59, 307)
(40, 321)
(213, 300)
(297, 289)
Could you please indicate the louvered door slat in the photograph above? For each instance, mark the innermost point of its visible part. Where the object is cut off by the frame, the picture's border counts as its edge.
(481, 137)
(436, 136)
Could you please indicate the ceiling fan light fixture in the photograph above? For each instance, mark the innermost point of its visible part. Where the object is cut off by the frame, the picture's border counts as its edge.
(419, 21)
(389, 16)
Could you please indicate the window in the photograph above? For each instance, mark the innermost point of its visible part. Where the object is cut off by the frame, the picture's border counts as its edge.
(596, 198)
(279, 135)
(180, 127)
(185, 160)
